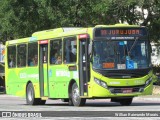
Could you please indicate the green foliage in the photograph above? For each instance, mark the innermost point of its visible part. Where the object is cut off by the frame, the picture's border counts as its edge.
(156, 71)
(20, 18)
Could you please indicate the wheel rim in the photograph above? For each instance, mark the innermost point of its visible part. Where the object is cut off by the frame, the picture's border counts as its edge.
(75, 94)
(30, 94)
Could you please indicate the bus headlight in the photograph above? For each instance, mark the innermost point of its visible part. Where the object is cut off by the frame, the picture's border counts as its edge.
(148, 81)
(101, 83)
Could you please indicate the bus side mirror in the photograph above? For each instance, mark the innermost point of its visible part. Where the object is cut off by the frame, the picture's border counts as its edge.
(89, 48)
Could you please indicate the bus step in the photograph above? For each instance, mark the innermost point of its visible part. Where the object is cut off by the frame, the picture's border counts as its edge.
(44, 98)
(84, 97)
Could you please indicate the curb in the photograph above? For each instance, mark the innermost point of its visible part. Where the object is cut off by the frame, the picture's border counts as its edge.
(153, 97)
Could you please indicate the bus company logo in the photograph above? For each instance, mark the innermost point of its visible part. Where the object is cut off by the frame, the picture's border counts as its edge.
(6, 114)
(23, 75)
(127, 83)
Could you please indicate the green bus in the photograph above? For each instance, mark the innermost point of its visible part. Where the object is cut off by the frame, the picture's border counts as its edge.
(75, 64)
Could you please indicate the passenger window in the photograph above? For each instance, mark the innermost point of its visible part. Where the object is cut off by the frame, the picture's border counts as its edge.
(70, 50)
(12, 56)
(56, 51)
(21, 55)
(33, 54)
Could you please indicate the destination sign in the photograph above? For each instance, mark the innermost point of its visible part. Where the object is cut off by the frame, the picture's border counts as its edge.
(110, 32)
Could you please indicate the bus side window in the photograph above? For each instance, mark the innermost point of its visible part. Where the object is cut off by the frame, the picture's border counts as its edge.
(56, 51)
(12, 56)
(70, 50)
(21, 55)
(33, 54)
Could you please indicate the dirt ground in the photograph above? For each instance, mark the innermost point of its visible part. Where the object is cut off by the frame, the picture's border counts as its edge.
(156, 90)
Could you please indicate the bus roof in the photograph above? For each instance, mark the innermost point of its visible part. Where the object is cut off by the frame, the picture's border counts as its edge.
(17, 41)
(55, 31)
(62, 32)
(118, 25)
(48, 34)
(58, 32)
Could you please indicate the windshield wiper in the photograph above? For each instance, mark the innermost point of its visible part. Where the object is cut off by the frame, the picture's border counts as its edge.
(132, 46)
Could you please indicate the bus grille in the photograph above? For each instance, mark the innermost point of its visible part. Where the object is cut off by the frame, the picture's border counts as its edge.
(126, 90)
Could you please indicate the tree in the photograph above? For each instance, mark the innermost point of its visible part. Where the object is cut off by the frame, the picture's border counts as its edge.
(21, 18)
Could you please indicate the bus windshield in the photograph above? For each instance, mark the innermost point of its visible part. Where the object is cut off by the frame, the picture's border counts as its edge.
(120, 54)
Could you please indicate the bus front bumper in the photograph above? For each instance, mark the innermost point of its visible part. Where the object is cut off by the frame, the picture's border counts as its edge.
(96, 91)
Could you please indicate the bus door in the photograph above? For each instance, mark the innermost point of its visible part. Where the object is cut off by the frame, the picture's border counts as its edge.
(84, 74)
(43, 67)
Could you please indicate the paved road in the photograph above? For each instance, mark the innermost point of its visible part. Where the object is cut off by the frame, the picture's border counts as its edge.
(8, 102)
(12, 103)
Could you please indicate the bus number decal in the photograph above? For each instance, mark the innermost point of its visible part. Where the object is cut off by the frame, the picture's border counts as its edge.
(24, 75)
(139, 82)
(114, 83)
(62, 73)
(33, 76)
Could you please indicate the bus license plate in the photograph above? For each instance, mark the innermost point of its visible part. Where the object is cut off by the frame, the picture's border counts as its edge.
(127, 90)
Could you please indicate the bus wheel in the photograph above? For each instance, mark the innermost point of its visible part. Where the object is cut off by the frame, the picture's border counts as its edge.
(30, 96)
(126, 102)
(76, 100)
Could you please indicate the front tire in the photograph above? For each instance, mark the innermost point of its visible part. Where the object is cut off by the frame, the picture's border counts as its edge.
(75, 96)
(30, 96)
(126, 102)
